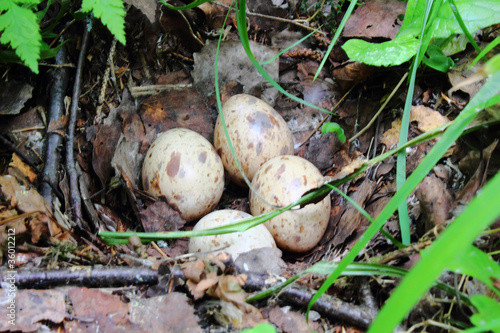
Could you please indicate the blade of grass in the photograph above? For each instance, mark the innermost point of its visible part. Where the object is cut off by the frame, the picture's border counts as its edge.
(453, 131)
(404, 221)
(461, 22)
(483, 210)
(242, 31)
(487, 49)
(336, 36)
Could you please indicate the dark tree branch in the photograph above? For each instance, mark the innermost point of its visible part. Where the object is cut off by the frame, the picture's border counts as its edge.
(60, 78)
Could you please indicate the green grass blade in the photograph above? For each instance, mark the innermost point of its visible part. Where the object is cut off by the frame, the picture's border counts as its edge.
(242, 31)
(482, 210)
(461, 22)
(453, 131)
(336, 36)
(487, 49)
(404, 221)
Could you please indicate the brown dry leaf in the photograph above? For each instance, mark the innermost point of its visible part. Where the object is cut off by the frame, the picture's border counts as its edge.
(215, 14)
(41, 224)
(375, 19)
(169, 313)
(436, 202)
(32, 307)
(193, 270)
(147, 7)
(479, 177)
(198, 289)
(174, 109)
(290, 321)
(23, 168)
(426, 118)
(160, 216)
(26, 200)
(58, 126)
(352, 219)
(104, 147)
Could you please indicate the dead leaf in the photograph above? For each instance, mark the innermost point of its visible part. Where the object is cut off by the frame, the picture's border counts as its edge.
(426, 119)
(290, 321)
(169, 313)
(58, 126)
(435, 202)
(160, 216)
(147, 7)
(32, 308)
(13, 95)
(104, 147)
(24, 169)
(26, 200)
(375, 19)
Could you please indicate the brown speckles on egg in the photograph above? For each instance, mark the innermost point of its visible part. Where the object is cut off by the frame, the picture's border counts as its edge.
(258, 149)
(280, 170)
(173, 164)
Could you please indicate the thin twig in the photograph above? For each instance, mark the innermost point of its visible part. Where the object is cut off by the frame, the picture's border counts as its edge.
(75, 198)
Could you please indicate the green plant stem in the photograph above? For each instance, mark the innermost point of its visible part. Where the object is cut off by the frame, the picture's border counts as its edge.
(461, 22)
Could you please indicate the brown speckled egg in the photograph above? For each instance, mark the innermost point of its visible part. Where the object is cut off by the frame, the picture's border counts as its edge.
(281, 181)
(234, 243)
(257, 132)
(182, 166)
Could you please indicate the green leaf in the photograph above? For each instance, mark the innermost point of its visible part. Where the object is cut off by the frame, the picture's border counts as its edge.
(189, 6)
(391, 53)
(111, 13)
(476, 263)
(488, 310)
(334, 127)
(437, 60)
(20, 30)
(475, 15)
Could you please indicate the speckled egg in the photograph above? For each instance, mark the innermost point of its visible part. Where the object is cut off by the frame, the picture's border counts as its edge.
(257, 132)
(234, 243)
(182, 166)
(281, 181)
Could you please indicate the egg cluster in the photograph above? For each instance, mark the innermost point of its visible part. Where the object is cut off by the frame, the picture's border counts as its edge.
(188, 171)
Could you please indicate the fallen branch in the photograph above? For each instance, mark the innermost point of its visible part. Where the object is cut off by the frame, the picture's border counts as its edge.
(54, 139)
(75, 198)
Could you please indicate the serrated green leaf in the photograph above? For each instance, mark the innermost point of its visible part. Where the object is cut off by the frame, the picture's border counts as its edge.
(488, 310)
(111, 13)
(21, 31)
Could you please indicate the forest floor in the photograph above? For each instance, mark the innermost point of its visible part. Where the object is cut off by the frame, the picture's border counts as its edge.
(69, 280)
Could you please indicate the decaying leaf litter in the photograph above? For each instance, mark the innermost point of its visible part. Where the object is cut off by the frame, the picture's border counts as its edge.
(163, 79)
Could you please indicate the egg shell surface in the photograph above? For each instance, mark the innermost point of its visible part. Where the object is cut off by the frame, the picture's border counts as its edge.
(281, 181)
(235, 243)
(257, 132)
(184, 167)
